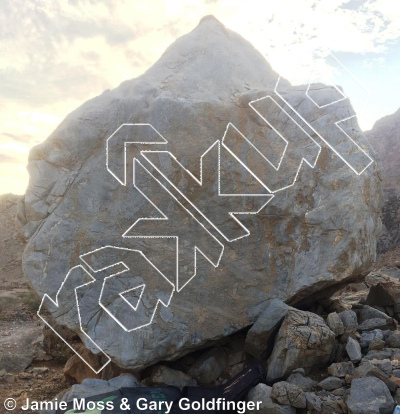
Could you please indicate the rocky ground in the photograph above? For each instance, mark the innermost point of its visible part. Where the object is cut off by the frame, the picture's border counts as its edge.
(340, 355)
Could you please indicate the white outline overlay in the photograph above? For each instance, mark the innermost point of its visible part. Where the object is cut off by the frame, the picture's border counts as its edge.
(200, 182)
(164, 217)
(135, 287)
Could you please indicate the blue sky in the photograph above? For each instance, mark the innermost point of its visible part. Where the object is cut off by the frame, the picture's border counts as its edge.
(54, 55)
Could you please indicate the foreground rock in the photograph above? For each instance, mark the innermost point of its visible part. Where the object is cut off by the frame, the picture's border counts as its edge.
(304, 340)
(369, 396)
(317, 233)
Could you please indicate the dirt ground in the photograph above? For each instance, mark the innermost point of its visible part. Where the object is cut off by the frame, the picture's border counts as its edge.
(18, 307)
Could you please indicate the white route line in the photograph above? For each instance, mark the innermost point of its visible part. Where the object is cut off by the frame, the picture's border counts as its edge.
(164, 141)
(124, 271)
(336, 123)
(200, 182)
(164, 217)
(55, 302)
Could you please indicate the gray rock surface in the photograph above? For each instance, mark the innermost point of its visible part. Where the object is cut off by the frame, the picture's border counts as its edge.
(260, 336)
(335, 323)
(353, 350)
(298, 379)
(330, 383)
(313, 235)
(341, 369)
(368, 336)
(209, 366)
(303, 340)
(165, 376)
(288, 394)
(385, 138)
(369, 396)
(262, 392)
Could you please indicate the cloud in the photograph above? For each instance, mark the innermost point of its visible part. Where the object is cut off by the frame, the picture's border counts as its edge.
(8, 158)
(24, 138)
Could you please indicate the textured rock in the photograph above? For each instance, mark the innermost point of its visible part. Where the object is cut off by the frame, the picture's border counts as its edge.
(335, 323)
(313, 401)
(367, 369)
(385, 138)
(319, 233)
(261, 334)
(330, 383)
(298, 379)
(262, 393)
(369, 396)
(393, 340)
(209, 366)
(341, 369)
(162, 375)
(303, 340)
(368, 336)
(288, 394)
(377, 323)
(349, 319)
(353, 350)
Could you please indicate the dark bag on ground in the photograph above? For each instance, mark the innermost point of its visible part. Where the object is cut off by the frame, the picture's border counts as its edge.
(233, 390)
(98, 404)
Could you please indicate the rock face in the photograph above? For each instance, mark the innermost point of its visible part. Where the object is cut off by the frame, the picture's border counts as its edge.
(385, 138)
(304, 340)
(313, 235)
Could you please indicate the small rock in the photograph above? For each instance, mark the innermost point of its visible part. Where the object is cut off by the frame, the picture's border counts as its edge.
(384, 365)
(376, 345)
(335, 323)
(367, 369)
(288, 394)
(376, 323)
(393, 340)
(368, 336)
(313, 401)
(209, 366)
(236, 357)
(263, 393)
(385, 353)
(162, 375)
(305, 383)
(39, 370)
(258, 339)
(341, 369)
(369, 396)
(330, 383)
(353, 350)
(25, 375)
(9, 378)
(349, 320)
(3, 372)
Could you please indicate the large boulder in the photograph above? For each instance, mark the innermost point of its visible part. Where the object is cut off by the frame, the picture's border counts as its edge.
(318, 233)
(385, 138)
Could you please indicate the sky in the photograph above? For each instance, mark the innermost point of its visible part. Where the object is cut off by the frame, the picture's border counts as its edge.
(56, 54)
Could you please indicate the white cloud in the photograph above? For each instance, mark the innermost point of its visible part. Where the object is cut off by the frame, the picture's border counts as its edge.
(57, 54)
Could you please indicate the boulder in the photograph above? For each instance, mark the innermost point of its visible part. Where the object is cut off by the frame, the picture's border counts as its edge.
(349, 320)
(303, 340)
(367, 369)
(330, 383)
(312, 236)
(298, 379)
(288, 394)
(335, 323)
(259, 339)
(262, 393)
(368, 336)
(393, 340)
(165, 376)
(341, 369)
(209, 366)
(369, 396)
